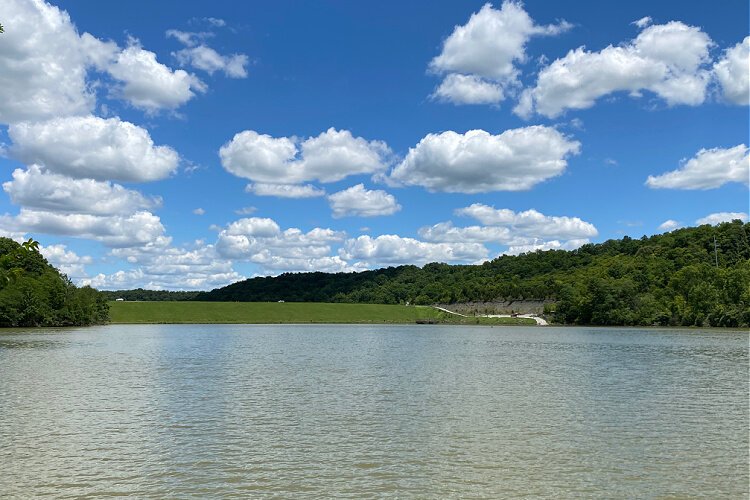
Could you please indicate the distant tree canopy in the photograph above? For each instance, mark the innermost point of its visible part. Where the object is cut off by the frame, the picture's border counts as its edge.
(33, 293)
(668, 279)
(148, 295)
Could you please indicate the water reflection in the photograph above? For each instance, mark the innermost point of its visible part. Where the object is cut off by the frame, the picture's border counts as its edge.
(286, 411)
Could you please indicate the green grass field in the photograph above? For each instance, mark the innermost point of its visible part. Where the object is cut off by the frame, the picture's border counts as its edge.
(286, 312)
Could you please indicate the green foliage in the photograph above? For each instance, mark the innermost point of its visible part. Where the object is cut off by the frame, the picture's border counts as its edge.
(33, 293)
(668, 279)
(139, 294)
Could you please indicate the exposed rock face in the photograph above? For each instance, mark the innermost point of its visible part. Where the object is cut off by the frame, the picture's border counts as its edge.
(500, 307)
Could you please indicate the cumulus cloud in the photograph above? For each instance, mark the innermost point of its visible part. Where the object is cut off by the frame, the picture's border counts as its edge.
(67, 261)
(199, 211)
(524, 231)
(733, 73)
(668, 60)
(284, 190)
(263, 242)
(329, 157)
(44, 63)
(489, 45)
(150, 85)
(669, 225)
(468, 89)
(39, 190)
(168, 268)
(477, 161)
(93, 147)
(390, 249)
(719, 217)
(360, 202)
(46, 68)
(530, 222)
(135, 229)
(446, 232)
(710, 168)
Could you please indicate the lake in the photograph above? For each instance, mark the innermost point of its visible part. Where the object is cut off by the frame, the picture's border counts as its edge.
(220, 411)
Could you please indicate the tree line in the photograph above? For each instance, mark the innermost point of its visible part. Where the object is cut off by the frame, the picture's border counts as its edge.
(33, 293)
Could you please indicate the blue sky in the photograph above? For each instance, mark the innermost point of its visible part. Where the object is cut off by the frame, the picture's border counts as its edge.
(207, 142)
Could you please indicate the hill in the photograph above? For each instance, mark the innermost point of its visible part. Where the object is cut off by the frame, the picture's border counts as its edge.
(33, 293)
(678, 278)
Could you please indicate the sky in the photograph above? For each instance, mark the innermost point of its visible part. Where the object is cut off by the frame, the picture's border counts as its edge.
(187, 145)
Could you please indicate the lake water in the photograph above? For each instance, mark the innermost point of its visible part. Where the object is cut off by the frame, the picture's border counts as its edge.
(325, 411)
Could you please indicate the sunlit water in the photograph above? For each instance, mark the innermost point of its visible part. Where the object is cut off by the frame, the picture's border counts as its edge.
(365, 412)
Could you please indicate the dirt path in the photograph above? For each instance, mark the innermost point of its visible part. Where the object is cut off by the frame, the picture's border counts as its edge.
(539, 321)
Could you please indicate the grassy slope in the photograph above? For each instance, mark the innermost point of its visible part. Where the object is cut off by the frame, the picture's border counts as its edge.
(288, 312)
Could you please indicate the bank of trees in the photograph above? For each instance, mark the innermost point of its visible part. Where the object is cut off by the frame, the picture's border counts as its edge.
(139, 294)
(677, 278)
(33, 293)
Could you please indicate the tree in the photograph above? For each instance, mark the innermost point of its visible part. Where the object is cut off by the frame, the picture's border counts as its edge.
(33, 293)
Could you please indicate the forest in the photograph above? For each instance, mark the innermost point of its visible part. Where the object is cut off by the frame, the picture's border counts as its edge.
(689, 277)
(33, 293)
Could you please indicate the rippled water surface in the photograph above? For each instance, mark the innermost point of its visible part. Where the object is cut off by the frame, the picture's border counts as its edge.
(363, 411)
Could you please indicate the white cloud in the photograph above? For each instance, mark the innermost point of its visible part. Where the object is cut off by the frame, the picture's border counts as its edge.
(169, 268)
(733, 73)
(215, 21)
(39, 190)
(468, 89)
(530, 222)
(521, 231)
(719, 217)
(390, 249)
(284, 190)
(710, 168)
(150, 85)
(667, 60)
(189, 38)
(360, 202)
(446, 232)
(489, 45)
(199, 211)
(67, 261)
(643, 22)
(669, 225)
(136, 229)
(44, 63)
(93, 147)
(611, 162)
(207, 59)
(200, 56)
(261, 241)
(329, 157)
(477, 161)
(46, 68)
(246, 210)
